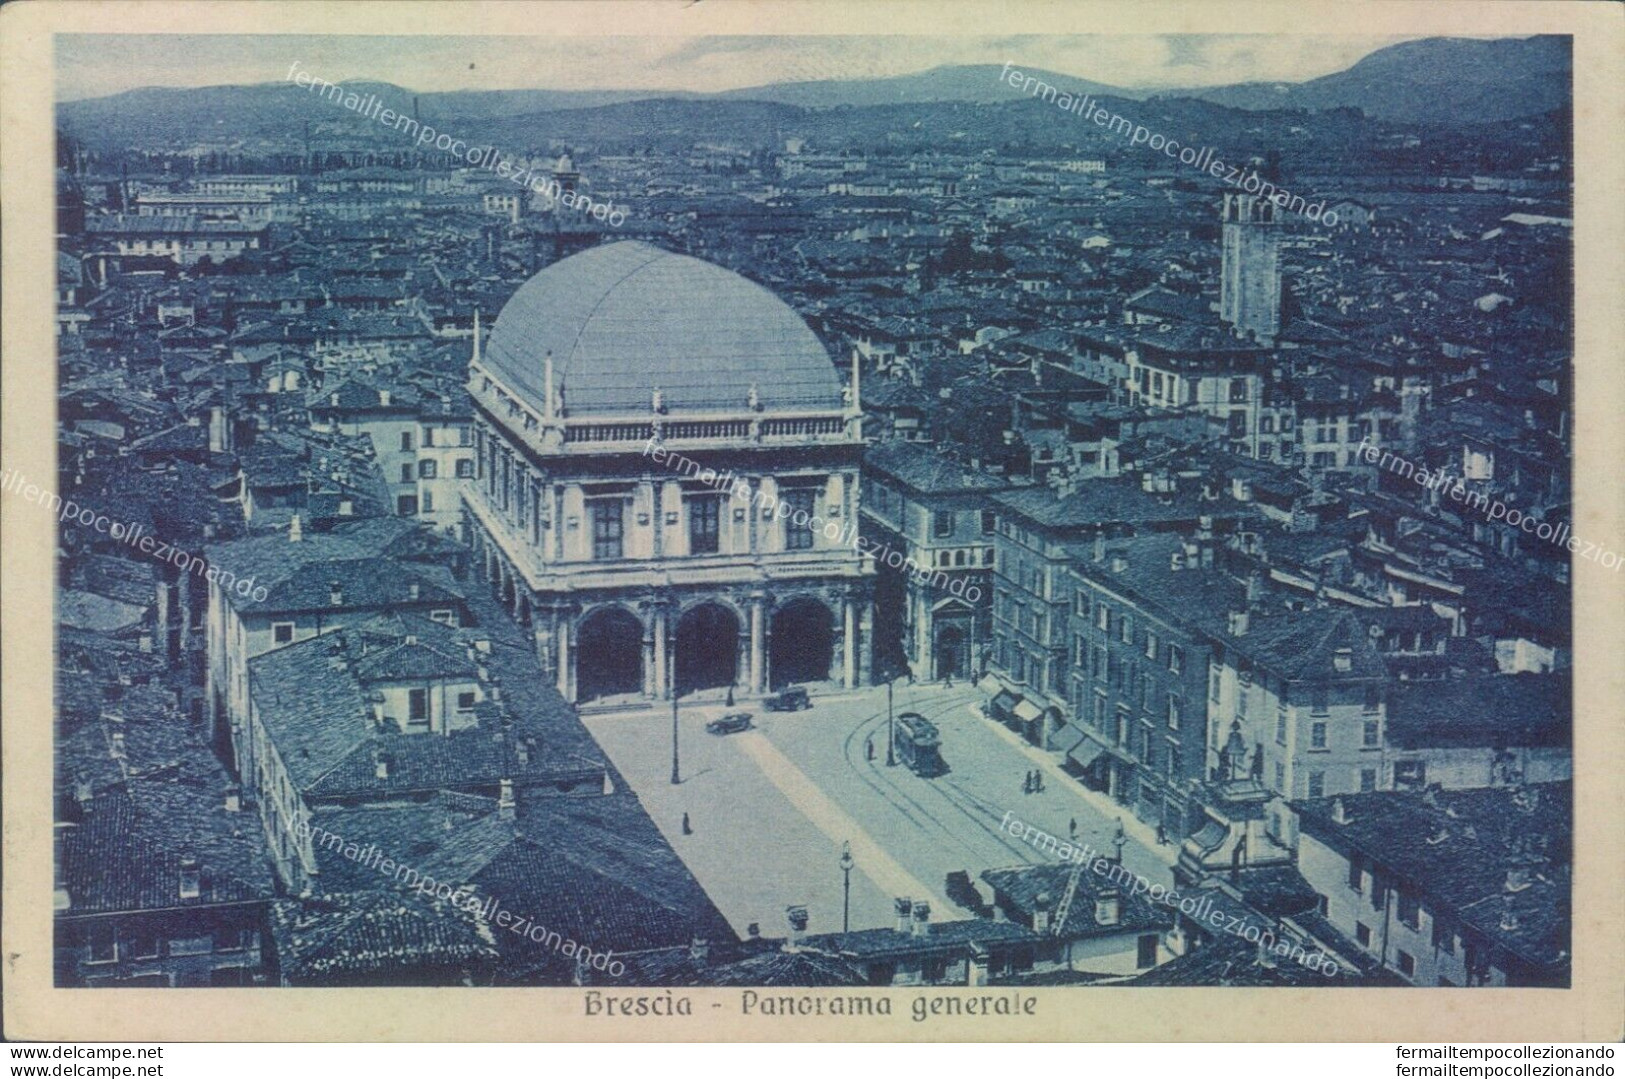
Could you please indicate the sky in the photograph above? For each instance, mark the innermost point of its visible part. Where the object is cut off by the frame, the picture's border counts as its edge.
(102, 64)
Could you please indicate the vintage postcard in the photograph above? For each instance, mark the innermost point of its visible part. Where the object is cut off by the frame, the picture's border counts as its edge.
(684, 522)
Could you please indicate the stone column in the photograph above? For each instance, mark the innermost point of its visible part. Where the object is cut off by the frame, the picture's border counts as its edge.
(758, 643)
(849, 643)
(651, 677)
(662, 680)
(866, 636)
(566, 668)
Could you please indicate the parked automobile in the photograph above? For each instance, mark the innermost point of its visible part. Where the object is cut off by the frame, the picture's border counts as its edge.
(788, 699)
(732, 723)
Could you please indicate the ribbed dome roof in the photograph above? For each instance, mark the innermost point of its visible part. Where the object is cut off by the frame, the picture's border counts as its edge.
(624, 318)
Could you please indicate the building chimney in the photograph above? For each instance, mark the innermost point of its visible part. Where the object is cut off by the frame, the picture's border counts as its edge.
(699, 950)
(1100, 546)
(1119, 563)
(1509, 918)
(922, 918)
(118, 745)
(905, 909)
(1255, 588)
(383, 397)
(1238, 623)
(144, 643)
(1108, 907)
(234, 799)
(797, 917)
(191, 878)
(412, 590)
(296, 531)
(1041, 913)
(380, 766)
(1340, 812)
(505, 801)
(335, 594)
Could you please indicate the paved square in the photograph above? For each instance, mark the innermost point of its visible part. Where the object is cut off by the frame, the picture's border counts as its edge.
(770, 808)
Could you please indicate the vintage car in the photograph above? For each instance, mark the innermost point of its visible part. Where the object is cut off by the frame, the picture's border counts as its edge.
(732, 723)
(788, 699)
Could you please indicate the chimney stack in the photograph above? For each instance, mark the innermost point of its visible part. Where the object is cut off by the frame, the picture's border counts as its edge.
(1100, 546)
(191, 878)
(1041, 913)
(1108, 907)
(797, 917)
(296, 531)
(922, 918)
(505, 801)
(335, 594)
(905, 909)
(1238, 623)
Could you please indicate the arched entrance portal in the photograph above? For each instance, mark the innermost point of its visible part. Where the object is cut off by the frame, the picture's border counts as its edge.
(952, 652)
(609, 654)
(707, 648)
(803, 642)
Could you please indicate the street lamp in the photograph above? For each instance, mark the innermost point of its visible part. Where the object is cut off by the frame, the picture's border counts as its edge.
(846, 886)
(1119, 839)
(891, 730)
(676, 774)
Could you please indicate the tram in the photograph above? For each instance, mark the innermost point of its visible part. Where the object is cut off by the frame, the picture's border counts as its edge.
(920, 745)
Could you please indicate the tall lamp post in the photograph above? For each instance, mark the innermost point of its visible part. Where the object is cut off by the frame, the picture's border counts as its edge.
(846, 886)
(891, 731)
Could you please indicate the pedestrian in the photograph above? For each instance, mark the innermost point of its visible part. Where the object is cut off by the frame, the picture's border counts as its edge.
(1162, 833)
(730, 702)
(948, 680)
(869, 747)
(1038, 781)
(1027, 783)
(687, 830)
(1074, 828)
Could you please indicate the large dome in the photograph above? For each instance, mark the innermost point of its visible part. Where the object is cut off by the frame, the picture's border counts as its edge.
(624, 318)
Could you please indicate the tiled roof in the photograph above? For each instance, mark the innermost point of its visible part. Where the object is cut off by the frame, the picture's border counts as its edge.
(357, 936)
(1023, 887)
(1486, 711)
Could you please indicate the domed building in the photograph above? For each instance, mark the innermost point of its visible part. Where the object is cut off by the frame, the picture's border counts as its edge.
(666, 488)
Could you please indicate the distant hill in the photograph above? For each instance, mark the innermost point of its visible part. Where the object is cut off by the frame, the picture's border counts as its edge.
(1436, 80)
(967, 82)
(1440, 80)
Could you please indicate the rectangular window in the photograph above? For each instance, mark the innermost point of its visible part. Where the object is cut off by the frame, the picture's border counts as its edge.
(417, 706)
(144, 945)
(1214, 683)
(607, 526)
(1176, 658)
(1317, 734)
(1146, 952)
(1125, 630)
(282, 632)
(232, 940)
(798, 537)
(1318, 701)
(406, 505)
(1372, 735)
(428, 470)
(1368, 780)
(1444, 937)
(1356, 874)
(428, 502)
(406, 441)
(445, 617)
(1150, 645)
(428, 437)
(1103, 618)
(942, 523)
(191, 945)
(406, 473)
(1100, 712)
(1173, 763)
(101, 943)
(1280, 777)
(1407, 965)
(1362, 934)
(704, 532)
(1317, 784)
(1176, 705)
(465, 436)
(1280, 726)
(465, 468)
(1373, 698)
(989, 519)
(1082, 604)
(465, 701)
(1410, 909)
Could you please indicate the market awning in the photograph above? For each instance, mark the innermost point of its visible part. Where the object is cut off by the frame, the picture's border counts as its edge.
(1004, 702)
(1065, 738)
(1028, 711)
(1085, 753)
